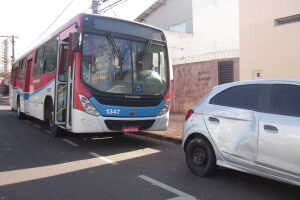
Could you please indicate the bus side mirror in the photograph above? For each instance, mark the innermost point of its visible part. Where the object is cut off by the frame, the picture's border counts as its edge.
(75, 42)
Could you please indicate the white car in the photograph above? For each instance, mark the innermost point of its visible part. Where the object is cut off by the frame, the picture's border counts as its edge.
(251, 126)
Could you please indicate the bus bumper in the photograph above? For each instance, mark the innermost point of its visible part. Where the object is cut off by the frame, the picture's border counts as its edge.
(83, 122)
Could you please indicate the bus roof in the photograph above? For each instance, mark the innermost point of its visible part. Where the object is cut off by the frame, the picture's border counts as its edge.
(78, 19)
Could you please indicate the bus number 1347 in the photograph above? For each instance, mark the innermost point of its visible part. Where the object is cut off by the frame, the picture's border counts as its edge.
(113, 111)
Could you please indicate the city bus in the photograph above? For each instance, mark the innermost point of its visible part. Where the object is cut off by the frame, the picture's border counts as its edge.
(95, 74)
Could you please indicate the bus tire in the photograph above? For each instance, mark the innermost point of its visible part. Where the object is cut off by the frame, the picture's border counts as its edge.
(20, 115)
(54, 129)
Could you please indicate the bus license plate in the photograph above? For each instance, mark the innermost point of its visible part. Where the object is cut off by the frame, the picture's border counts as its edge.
(130, 129)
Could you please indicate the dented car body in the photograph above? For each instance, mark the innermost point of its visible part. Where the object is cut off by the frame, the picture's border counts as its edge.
(251, 126)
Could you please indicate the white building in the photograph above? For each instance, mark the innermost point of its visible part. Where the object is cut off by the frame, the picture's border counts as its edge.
(197, 30)
(4, 55)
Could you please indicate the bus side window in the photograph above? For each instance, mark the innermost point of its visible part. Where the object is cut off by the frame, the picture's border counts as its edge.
(50, 56)
(21, 71)
(39, 62)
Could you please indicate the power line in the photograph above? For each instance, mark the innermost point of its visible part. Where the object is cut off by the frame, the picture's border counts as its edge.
(103, 10)
(62, 12)
(112, 9)
(95, 5)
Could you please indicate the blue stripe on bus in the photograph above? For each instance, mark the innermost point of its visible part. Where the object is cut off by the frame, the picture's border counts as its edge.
(123, 111)
(38, 90)
(26, 95)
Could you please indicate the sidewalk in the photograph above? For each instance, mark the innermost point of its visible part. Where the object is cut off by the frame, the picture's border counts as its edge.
(4, 100)
(174, 132)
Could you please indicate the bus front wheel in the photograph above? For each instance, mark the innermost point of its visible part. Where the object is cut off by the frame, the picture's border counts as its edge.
(54, 129)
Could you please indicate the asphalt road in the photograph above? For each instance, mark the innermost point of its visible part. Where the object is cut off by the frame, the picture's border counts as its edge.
(35, 165)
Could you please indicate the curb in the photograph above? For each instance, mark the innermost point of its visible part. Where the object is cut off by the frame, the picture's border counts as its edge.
(160, 137)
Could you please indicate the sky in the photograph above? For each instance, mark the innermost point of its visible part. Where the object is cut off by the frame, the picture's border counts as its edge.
(28, 19)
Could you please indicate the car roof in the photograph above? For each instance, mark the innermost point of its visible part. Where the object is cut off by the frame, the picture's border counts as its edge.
(261, 81)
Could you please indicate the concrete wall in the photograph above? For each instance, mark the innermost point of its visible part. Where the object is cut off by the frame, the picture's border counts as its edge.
(216, 26)
(192, 81)
(178, 44)
(264, 46)
(173, 12)
(215, 29)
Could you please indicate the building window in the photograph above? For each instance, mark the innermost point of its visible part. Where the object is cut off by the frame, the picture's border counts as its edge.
(181, 28)
(225, 72)
(287, 20)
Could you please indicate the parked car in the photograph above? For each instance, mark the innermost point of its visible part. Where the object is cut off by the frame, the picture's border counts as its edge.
(251, 126)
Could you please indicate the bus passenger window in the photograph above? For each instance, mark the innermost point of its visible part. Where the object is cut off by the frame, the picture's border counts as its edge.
(39, 63)
(50, 56)
(21, 71)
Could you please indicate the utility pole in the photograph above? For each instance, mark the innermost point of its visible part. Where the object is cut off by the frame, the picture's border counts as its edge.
(13, 49)
(95, 5)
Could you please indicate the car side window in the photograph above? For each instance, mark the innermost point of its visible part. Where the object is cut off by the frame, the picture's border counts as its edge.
(285, 100)
(243, 96)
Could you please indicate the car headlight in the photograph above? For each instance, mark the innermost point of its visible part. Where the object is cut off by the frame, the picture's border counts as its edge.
(165, 108)
(88, 106)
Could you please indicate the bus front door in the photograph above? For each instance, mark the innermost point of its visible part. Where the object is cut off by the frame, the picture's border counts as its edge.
(62, 87)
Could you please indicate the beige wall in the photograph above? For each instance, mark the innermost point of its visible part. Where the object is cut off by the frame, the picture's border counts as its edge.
(275, 50)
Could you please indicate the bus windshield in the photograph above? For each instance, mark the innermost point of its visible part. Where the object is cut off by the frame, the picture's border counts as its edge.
(124, 66)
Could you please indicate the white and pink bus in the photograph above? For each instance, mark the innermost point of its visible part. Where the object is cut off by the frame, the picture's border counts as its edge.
(95, 74)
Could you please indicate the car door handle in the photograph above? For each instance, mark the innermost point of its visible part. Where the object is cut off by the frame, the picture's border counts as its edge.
(271, 128)
(214, 120)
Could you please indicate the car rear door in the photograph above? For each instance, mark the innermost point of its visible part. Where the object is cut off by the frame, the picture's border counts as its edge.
(279, 130)
(232, 120)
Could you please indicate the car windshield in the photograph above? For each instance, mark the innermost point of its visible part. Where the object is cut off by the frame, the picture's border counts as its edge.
(122, 66)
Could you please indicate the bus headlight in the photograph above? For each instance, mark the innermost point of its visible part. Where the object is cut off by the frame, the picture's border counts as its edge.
(88, 106)
(165, 108)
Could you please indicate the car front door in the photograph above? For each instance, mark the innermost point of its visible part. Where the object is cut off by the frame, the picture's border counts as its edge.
(232, 120)
(279, 130)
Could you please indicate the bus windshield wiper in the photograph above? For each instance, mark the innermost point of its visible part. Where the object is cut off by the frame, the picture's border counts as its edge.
(116, 51)
(145, 52)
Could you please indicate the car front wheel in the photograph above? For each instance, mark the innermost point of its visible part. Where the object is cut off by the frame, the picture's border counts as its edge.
(200, 157)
